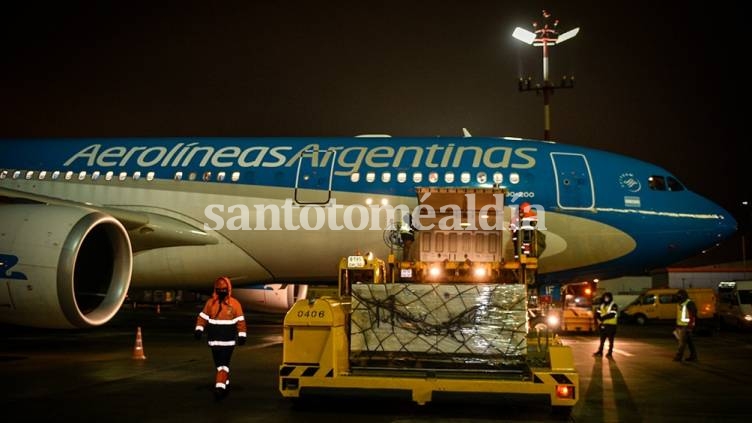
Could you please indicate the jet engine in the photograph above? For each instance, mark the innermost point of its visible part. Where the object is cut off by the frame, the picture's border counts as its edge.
(61, 266)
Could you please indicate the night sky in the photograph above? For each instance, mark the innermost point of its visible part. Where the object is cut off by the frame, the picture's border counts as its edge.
(660, 81)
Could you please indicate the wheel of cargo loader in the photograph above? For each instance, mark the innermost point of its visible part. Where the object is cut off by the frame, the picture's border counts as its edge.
(562, 412)
(640, 319)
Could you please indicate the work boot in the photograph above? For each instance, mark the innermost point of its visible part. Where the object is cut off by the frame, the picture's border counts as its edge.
(598, 353)
(692, 358)
(609, 355)
(678, 358)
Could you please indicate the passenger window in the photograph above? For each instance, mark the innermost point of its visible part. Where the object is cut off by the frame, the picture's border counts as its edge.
(235, 176)
(402, 177)
(433, 177)
(465, 177)
(674, 185)
(42, 174)
(482, 177)
(355, 177)
(150, 176)
(514, 177)
(498, 177)
(657, 183)
(221, 176)
(370, 177)
(386, 177)
(56, 174)
(449, 177)
(3, 174)
(178, 175)
(29, 174)
(122, 176)
(417, 177)
(108, 175)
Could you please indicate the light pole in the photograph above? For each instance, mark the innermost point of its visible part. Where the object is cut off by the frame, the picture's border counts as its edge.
(545, 35)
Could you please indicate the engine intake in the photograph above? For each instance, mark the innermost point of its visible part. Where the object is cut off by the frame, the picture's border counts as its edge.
(82, 270)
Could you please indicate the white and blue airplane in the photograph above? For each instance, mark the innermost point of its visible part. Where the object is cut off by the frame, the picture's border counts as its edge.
(82, 220)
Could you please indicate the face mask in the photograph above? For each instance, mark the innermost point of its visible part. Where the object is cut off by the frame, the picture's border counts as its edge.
(222, 293)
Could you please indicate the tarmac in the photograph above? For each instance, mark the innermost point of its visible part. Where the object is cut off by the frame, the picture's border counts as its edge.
(92, 376)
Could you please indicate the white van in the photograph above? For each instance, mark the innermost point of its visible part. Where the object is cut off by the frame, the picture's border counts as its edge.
(735, 303)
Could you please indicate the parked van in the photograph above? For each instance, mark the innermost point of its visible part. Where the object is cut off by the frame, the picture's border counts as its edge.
(660, 304)
(735, 303)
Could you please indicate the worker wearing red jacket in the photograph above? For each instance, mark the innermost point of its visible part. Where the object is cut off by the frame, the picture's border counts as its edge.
(222, 319)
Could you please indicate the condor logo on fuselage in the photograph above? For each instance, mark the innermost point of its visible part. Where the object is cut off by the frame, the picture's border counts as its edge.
(6, 264)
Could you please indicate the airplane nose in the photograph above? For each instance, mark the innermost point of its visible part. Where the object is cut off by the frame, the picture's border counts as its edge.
(727, 225)
(721, 224)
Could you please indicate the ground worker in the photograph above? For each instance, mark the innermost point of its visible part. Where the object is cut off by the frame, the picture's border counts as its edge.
(686, 317)
(407, 235)
(223, 319)
(607, 315)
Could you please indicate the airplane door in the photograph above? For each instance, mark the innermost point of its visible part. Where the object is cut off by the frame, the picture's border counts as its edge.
(574, 183)
(313, 179)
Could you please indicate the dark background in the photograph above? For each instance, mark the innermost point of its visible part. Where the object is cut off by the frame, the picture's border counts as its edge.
(660, 81)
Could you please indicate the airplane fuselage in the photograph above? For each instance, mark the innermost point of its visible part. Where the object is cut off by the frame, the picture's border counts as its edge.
(276, 210)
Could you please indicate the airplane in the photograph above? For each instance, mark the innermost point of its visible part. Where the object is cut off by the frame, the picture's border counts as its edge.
(82, 220)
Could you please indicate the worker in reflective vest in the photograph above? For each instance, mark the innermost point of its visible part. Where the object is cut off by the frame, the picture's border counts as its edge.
(222, 317)
(686, 317)
(407, 235)
(607, 315)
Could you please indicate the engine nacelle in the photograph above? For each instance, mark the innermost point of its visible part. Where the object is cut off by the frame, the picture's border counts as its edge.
(272, 298)
(61, 267)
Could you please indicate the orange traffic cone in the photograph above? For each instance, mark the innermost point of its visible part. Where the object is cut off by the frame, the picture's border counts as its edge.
(138, 349)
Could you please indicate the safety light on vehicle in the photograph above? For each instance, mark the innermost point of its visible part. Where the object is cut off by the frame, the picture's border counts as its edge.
(434, 271)
(564, 391)
(748, 317)
(479, 272)
(552, 320)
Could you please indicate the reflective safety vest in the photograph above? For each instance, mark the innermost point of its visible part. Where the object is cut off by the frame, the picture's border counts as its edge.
(682, 313)
(605, 309)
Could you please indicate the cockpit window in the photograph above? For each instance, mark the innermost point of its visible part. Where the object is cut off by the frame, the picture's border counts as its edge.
(674, 184)
(657, 183)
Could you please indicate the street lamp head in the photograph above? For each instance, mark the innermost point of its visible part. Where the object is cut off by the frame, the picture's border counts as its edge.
(545, 35)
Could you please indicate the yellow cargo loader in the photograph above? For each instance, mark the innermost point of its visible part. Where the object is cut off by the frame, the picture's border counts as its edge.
(422, 326)
(316, 358)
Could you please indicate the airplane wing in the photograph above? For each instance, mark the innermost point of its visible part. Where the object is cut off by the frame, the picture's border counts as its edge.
(146, 230)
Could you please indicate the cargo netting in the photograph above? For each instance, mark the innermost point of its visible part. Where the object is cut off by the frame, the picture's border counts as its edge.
(438, 325)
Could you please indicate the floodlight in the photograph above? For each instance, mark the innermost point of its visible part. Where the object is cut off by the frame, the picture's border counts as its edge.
(524, 35)
(567, 35)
